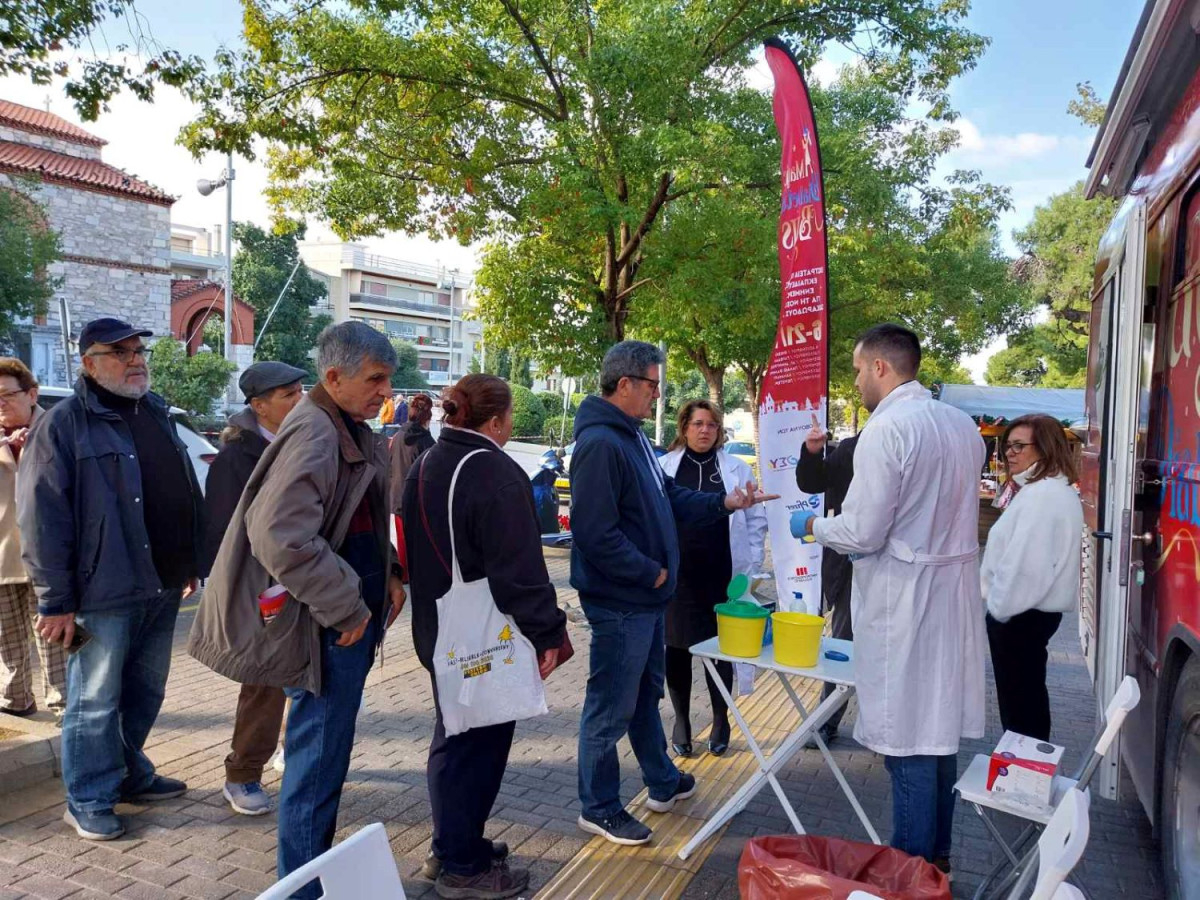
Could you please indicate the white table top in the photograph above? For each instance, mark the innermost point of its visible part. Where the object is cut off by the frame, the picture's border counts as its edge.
(972, 787)
(827, 670)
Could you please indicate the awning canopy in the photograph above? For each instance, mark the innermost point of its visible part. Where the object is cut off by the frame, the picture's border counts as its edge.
(989, 405)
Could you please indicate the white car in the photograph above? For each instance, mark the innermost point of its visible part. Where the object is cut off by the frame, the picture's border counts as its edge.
(201, 452)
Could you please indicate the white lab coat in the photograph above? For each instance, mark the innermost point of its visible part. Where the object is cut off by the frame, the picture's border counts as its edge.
(1032, 556)
(911, 517)
(747, 527)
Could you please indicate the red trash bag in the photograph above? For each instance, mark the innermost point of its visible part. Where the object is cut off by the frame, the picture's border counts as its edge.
(806, 867)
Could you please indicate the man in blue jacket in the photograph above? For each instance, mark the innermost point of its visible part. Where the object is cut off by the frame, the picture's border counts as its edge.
(624, 563)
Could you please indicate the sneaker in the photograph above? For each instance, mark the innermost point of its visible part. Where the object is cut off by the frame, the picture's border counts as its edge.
(160, 788)
(94, 826)
(621, 828)
(248, 799)
(496, 883)
(432, 867)
(683, 790)
(277, 760)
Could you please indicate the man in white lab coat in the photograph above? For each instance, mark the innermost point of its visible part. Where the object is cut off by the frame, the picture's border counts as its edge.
(910, 522)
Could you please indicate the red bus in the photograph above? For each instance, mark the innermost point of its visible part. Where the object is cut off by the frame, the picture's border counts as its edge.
(1140, 603)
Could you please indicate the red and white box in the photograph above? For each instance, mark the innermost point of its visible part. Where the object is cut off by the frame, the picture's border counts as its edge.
(1024, 767)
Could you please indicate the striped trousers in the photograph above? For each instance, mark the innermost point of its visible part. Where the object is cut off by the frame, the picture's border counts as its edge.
(18, 613)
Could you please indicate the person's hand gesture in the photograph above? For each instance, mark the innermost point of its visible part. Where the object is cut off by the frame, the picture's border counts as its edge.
(740, 498)
(815, 439)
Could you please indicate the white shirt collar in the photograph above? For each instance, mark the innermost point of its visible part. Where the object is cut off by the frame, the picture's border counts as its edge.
(266, 434)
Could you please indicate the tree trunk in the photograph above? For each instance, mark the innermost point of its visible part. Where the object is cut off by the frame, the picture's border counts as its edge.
(754, 375)
(714, 376)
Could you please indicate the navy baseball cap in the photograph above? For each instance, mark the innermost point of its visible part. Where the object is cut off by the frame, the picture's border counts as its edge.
(266, 376)
(108, 331)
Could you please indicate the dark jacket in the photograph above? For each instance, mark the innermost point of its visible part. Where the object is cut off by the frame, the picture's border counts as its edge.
(290, 522)
(241, 447)
(80, 499)
(829, 475)
(407, 445)
(495, 533)
(623, 511)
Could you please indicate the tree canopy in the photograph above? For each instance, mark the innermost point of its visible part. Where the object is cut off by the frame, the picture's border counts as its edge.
(27, 249)
(193, 383)
(564, 131)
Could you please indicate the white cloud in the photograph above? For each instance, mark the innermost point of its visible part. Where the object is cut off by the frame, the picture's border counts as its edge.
(976, 148)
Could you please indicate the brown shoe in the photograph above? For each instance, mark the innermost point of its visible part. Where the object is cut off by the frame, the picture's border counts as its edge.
(496, 883)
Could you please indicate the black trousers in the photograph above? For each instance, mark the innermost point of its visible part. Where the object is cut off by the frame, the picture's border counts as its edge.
(464, 775)
(1019, 661)
(679, 686)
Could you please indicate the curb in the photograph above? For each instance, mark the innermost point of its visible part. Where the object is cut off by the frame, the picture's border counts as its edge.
(32, 758)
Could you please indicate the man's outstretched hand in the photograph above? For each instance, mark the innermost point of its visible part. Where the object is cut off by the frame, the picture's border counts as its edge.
(744, 498)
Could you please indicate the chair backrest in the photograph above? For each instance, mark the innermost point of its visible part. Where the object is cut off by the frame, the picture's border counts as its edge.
(1123, 701)
(863, 895)
(359, 867)
(1061, 845)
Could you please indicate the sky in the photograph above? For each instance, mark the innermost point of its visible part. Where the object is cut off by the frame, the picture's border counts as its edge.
(1012, 113)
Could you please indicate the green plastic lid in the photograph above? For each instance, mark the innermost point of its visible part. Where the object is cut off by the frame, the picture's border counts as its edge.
(738, 587)
(741, 610)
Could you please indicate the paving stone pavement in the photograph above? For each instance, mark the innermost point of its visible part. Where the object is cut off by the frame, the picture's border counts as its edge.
(196, 847)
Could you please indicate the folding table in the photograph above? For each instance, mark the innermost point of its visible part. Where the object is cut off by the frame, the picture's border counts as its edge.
(839, 674)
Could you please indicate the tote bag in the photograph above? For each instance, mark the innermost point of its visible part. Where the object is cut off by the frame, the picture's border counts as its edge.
(486, 670)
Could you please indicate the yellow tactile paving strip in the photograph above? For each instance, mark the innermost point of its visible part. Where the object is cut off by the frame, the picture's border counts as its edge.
(602, 870)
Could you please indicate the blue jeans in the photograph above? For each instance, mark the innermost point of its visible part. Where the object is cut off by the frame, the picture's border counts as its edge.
(922, 803)
(317, 745)
(625, 684)
(115, 688)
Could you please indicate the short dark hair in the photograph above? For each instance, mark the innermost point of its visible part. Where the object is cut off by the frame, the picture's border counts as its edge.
(475, 399)
(895, 343)
(10, 365)
(628, 359)
(1050, 438)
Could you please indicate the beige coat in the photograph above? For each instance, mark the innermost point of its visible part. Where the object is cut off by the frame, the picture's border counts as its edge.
(293, 515)
(12, 570)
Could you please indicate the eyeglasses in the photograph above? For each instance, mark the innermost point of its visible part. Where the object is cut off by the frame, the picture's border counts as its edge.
(651, 381)
(125, 355)
(10, 397)
(1016, 446)
(703, 426)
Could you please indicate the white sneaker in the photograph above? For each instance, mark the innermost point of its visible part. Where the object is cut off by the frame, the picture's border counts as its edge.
(247, 799)
(277, 760)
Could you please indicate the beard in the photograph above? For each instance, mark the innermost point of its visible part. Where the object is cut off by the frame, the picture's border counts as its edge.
(121, 388)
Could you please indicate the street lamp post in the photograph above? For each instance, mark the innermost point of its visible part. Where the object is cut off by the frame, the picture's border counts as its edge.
(206, 187)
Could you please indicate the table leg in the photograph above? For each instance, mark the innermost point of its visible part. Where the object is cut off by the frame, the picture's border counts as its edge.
(753, 785)
(1009, 853)
(822, 713)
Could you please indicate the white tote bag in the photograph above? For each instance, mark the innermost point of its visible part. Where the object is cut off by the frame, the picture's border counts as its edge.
(486, 670)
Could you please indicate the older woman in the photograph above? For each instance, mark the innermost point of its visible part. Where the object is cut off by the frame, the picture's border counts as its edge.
(1030, 568)
(709, 555)
(409, 443)
(495, 537)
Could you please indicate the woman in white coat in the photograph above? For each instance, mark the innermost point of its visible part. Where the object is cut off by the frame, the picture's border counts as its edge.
(709, 555)
(1030, 572)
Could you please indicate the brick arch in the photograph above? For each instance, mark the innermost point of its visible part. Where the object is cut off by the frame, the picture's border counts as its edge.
(194, 302)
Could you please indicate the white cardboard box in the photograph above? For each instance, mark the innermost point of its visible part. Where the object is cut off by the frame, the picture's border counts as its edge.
(1024, 767)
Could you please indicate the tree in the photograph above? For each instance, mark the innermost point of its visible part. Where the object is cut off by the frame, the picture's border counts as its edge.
(1088, 108)
(33, 32)
(261, 268)
(192, 383)
(408, 374)
(1060, 248)
(27, 249)
(563, 130)
(528, 413)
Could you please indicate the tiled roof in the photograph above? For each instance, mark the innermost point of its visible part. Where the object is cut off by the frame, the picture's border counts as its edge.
(89, 174)
(185, 287)
(41, 122)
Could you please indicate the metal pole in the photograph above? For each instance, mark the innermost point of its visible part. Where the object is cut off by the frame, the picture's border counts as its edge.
(661, 408)
(64, 320)
(229, 175)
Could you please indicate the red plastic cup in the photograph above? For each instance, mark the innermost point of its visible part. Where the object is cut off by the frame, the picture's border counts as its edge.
(271, 601)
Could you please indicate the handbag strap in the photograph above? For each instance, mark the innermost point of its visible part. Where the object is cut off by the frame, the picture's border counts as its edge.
(452, 570)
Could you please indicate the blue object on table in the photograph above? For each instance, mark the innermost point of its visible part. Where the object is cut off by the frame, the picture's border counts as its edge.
(837, 656)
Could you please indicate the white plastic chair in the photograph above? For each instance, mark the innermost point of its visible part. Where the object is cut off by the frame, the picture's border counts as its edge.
(360, 867)
(972, 787)
(1059, 849)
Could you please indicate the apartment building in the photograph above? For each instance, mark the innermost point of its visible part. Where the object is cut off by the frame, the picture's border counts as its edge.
(428, 306)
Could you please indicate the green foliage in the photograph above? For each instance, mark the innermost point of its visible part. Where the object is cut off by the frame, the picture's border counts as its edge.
(260, 270)
(193, 383)
(669, 431)
(1031, 360)
(33, 34)
(562, 131)
(1088, 108)
(1060, 249)
(938, 370)
(408, 374)
(528, 414)
(27, 248)
(552, 403)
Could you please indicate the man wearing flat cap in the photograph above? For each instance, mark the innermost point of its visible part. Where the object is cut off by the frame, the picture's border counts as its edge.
(272, 390)
(111, 517)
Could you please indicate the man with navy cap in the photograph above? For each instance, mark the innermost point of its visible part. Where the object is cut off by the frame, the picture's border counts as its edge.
(272, 390)
(111, 518)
